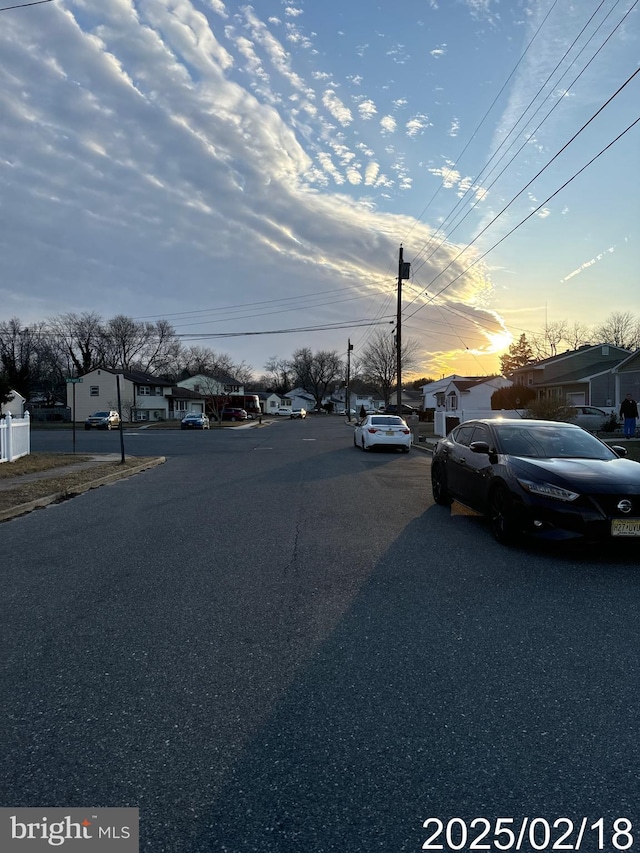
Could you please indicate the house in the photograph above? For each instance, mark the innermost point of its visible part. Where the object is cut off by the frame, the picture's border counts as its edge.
(15, 406)
(464, 398)
(591, 376)
(184, 400)
(300, 399)
(217, 385)
(270, 403)
(142, 397)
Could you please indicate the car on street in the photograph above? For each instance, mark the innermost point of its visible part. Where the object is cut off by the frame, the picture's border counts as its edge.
(543, 479)
(382, 431)
(301, 414)
(103, 420)
(283, 412)
(195, 420)
(231, 414)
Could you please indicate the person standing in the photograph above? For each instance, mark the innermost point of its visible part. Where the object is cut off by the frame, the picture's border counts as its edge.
(629, 411)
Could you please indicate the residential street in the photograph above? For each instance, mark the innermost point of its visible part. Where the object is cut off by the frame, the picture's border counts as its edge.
(275, 642)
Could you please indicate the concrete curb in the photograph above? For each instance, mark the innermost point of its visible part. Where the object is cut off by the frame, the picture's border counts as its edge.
(72, 491)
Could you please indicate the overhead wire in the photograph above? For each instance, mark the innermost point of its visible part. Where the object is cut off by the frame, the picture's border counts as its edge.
(457, 222)
(529, 215)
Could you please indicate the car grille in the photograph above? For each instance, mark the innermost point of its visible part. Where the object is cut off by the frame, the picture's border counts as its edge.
(608, 505)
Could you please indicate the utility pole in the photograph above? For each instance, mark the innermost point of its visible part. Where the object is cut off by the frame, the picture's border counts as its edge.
(404, 271)
(348, 397)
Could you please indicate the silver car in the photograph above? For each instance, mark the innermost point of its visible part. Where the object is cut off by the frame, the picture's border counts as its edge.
(587, 417)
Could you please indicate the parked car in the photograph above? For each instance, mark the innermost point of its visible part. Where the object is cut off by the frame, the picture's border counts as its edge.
(544, 479)
(382, 431)
(195, 420)
(283, 412)
(234, 415)
(298, 413)
(392, 409)
(588, 417)
(343, 411)
(103, 420)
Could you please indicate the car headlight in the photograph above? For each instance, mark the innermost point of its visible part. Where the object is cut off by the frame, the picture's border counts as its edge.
(548, 490)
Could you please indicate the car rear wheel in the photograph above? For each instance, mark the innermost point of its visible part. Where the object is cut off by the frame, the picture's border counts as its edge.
(439, 485)
(502, 516)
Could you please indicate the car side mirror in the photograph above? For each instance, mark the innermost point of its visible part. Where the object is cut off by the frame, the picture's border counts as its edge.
(619, 450)
(479, 447)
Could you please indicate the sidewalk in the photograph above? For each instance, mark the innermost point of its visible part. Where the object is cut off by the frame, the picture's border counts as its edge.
(16, 498)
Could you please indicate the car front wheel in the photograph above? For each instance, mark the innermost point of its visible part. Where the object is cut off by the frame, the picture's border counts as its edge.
(439, 485)
(502, 516)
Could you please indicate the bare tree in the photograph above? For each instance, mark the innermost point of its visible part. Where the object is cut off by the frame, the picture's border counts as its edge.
(547, 343)
(578, 335)
(80, 340)
(19, 348)
(316, 372)
(622, 329)
(279, 375)
(378, 363)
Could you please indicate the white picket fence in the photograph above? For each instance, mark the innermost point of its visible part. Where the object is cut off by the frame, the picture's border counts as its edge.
(15, 437)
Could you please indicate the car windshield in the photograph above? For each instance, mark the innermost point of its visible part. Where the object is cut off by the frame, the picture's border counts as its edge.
(543, 442)
(387, 420)
(100, 414)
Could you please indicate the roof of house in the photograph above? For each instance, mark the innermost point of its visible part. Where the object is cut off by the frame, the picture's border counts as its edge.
(184, 393)
(138, 377)
(568, 354)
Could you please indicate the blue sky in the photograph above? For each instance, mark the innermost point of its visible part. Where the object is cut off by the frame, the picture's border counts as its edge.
(237, 167)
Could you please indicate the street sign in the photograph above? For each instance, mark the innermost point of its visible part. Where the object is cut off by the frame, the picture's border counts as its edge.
(73, 380)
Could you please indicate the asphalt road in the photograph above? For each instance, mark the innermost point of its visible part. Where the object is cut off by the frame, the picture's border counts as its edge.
(275, 642)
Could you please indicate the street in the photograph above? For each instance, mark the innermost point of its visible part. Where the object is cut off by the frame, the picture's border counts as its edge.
(276, 642)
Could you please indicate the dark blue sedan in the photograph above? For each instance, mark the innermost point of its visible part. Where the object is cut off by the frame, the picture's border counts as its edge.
(542, 478)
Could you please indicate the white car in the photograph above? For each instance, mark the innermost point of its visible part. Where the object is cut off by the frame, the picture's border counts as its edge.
(382, 431)
(284, 411)
(298, 413)
(588, 417)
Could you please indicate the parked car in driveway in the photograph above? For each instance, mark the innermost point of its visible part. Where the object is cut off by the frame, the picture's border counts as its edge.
(544, 479)
(392, 409)
(195, 420)
(103, 420)
(283, 411)
(301, 414)
(234, 415)
(382, 431)
(588, 417)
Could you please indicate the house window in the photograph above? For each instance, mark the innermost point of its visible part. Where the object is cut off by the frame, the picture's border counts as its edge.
(94, 391)
(158, 391)
(180, 405)
(144, 390)
(142, 415)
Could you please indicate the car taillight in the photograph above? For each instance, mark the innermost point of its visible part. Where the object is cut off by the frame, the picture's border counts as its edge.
(371, 429)
(405, 431)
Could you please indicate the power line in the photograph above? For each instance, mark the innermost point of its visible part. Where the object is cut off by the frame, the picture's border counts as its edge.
(24, 5)
(532, 213)
(528, 137)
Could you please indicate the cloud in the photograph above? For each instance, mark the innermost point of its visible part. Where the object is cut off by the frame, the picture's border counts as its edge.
(388, 125)
(417, 124)
(454, 128)
(367, 109)
(437, 52)
(338, 110)
(154, 154)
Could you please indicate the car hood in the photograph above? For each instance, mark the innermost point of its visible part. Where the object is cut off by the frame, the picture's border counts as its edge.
(588, 475)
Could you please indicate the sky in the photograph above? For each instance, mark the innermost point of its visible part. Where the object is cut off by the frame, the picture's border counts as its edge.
(249, 171)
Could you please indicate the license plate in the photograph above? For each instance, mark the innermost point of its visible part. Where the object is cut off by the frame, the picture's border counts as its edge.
(625, 527)
(390, 432)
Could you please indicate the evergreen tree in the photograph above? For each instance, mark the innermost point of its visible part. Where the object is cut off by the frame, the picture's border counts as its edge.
(518, 355)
